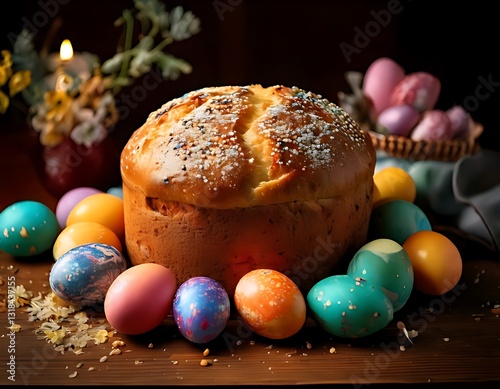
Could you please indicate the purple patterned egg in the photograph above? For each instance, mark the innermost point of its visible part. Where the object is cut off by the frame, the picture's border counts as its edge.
(83, 275)
(201, 309)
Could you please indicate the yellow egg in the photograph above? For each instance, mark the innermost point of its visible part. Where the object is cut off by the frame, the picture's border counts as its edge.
(103, 208)
(393, 183)
(81, 233)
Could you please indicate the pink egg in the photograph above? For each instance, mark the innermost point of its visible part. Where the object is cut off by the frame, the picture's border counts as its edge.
(434, 126)
(461, 121)
(140, 298)
(420, 89)
(67, 202)
(398, 119)
(379, 80)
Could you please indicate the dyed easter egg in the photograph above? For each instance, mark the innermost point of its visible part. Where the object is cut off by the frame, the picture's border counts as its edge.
(103, 208)
(386, 264)
(436, 261)
(397, 220)
(393, 183)
(270, 303)
(379, 80)
(116, 191)
(140, 298)
(69, 200)
(420, 90)
(83, 275)
(435, 125)
(384, 161)
(201, 309)
(27, 228)
(349, 307)
(81, 233)
(398, 119)
(460, 120)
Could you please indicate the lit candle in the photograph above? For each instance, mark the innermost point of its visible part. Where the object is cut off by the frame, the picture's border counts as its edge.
(69, 64)
(66, 51)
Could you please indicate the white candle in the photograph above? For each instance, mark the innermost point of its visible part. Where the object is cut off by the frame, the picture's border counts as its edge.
(74, 64)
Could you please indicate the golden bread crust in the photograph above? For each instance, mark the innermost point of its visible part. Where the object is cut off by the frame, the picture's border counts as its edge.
(227, 147)
(225, 180)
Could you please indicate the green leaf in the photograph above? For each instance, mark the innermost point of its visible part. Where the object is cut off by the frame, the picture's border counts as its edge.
(146, 43)
(171, 66)
(141, 63)
(113, 64)
(122, 82)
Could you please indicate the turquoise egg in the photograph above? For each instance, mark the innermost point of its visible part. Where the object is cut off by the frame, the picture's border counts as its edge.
(27, 228)
(116, 191)
(387, 161)
(385, 263)
(83, 275)
(349, 307)
(397, 220)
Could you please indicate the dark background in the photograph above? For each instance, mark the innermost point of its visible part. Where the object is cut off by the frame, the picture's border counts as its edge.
(297, 43)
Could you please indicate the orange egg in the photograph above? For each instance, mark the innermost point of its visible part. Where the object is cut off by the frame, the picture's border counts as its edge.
(103, 208)
(436, 261)
(80, 233)
(270, 303)
(393, 183)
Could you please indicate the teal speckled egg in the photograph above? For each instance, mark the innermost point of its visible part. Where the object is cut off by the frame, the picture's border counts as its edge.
(385, 263)
(27, 228)
(349, 307)
(397, 220)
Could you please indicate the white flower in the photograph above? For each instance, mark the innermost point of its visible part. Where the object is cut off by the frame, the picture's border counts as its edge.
(88, 132)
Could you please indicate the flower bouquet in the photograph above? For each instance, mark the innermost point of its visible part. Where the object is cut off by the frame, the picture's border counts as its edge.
(70, 98)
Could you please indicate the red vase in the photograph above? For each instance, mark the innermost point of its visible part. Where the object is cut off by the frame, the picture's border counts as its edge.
(70, 165)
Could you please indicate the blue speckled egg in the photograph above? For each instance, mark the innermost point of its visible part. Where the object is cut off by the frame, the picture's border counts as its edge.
(397, 220)
(201, 309)
(384, 263)
(82, 275)
(349, 307)
(27, 228)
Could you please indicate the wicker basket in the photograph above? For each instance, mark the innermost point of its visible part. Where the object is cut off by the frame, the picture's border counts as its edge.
(450, 150)
(357, 105)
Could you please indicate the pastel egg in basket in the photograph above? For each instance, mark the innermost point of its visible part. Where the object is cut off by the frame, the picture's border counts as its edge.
(399, 112)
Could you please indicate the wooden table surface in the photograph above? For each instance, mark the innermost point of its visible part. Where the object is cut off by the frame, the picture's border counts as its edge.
(458, 333)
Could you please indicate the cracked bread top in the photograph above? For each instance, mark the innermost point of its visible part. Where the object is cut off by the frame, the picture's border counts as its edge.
(241, 146)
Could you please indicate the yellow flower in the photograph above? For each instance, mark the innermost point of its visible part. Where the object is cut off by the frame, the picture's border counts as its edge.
(50, 137)
(5, 67)
(19, 81)
(4, 102)
(58, 103)
(4, 75)
(7, 58)
(54, 118)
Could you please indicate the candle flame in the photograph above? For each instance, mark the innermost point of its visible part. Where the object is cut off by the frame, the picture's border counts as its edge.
(66, 52)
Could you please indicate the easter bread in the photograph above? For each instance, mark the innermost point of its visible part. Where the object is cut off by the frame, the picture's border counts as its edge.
(228, 179)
